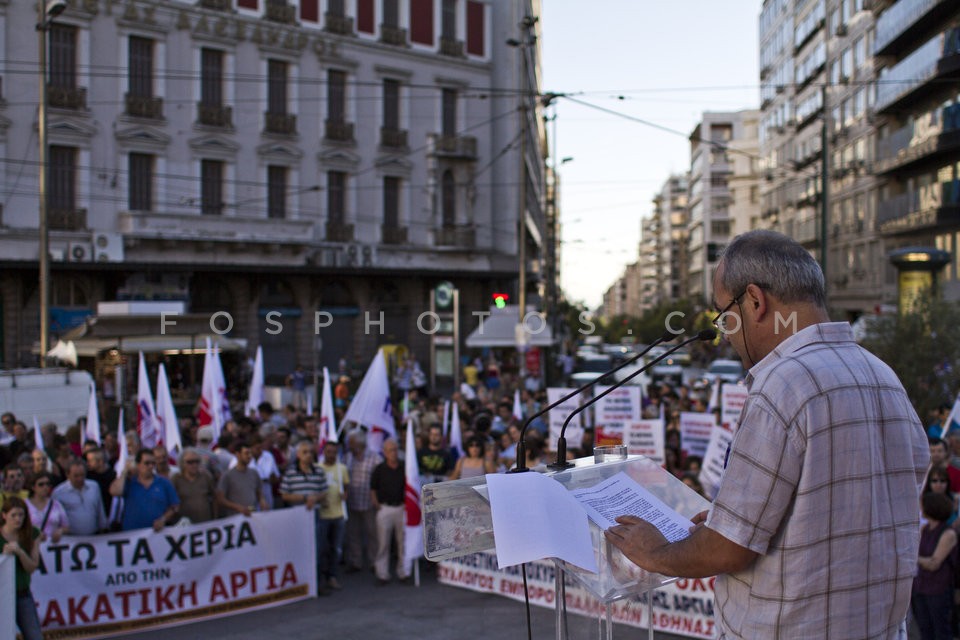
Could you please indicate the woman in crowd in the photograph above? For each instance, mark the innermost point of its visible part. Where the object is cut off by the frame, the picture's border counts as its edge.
(20, 541)
(938, 481)
(932, 598)
(46, 512)
(475, 463)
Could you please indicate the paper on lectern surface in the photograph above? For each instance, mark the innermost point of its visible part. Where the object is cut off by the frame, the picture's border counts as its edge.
(621, 495)
(535, 517)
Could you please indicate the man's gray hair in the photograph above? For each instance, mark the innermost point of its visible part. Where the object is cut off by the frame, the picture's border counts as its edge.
(777, 264)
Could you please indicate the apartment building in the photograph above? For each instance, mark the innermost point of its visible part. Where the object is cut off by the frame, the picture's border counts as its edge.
(272, 159)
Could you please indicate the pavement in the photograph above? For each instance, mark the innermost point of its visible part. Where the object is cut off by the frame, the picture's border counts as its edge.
(362, 610)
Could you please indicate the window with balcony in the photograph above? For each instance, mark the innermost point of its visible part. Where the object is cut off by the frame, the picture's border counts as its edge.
(140, 100)
(335, 20)
(449, 45)
(390, 133)
(280, 11)
(448, 199)
(336, 196)
(276, 192)
(211, 110)
(140, 196)
(336, 126)
(211, 187)
(390, 31)
(392, 232)
(277, 120)
(62, 90)
(448, 106)
(62, 211)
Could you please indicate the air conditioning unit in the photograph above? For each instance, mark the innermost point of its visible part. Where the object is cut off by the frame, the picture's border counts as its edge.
(780, 88)
(841, 30)
(57, 255)
(351, 255)
(368, 255)
(79, 252)
(108, 246)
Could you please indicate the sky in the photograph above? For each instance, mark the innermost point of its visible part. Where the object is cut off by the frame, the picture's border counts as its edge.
(664, 62)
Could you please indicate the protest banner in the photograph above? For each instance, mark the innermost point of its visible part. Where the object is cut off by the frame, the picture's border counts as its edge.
(715, 459)
(734, 397)
(614, 412)
(695, 429)
(101, 586)
(558, 414)
(683, 607)
(645, 438)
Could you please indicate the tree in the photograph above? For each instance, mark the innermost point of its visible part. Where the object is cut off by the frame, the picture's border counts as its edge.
(923, 348)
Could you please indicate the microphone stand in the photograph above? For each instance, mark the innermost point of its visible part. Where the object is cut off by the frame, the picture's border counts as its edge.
(562, 463)
(521, 448)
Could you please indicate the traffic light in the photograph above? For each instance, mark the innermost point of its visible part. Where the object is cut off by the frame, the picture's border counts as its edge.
(500, 300)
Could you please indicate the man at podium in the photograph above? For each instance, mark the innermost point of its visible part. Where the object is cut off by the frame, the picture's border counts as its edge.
(814, 532)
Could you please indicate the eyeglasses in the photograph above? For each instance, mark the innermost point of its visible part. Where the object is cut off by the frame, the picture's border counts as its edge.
(720, 321)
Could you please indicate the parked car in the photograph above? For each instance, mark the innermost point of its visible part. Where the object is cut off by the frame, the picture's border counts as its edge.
(724, 370)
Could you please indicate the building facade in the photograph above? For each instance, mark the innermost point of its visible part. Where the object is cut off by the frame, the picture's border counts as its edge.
(264, 157)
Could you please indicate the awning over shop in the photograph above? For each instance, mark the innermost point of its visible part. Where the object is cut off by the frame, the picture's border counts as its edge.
(499, 330)
(130, 334)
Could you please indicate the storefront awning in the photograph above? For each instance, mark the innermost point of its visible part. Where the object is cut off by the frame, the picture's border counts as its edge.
(499, 330)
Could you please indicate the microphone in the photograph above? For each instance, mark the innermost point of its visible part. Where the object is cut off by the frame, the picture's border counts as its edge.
(561, 463)
(521, 449)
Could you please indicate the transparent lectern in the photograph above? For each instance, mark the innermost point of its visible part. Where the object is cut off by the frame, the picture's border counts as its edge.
(457, 521)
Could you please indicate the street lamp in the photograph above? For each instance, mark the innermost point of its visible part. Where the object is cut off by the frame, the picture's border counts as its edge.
(48, 11)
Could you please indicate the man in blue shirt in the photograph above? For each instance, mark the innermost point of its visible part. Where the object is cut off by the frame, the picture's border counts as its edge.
(149, 500)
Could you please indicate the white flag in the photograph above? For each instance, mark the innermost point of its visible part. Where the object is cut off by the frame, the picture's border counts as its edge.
(124, 454)
(714, 402)
(225, 414)
(167, 415)
(517, 406)
(91, 431)
(37, 436)
(371, 405)
(413, 534)
(328, 420)
(456, 438)
(210, 413)
(255, 395)
(147, 427)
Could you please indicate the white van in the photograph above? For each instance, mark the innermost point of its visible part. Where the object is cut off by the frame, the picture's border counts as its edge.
(53, 395)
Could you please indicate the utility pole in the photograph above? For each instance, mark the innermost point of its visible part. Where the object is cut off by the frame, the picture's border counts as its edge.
(824, 180)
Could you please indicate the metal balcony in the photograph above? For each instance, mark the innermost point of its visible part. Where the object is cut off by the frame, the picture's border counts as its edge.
(393, 138)
(922, 139)
(917, 75)
(903, 20)
(280, 12)
(339, 231)
(451, 47)
(464, 237)
(67, 219)
(463, 147)
(393, 35)
(334, 23)
(66, 97)
(282, 123)
(214, 115)
(144, 106)
(217, 5)
(934, 205)
(393, 235)
(338, 130)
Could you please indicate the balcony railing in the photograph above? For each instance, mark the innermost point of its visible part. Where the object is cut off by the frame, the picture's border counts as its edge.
(919, 208)
(937, 132)
(455, 146)
(280, 12)
(338, 130)
(462, 236)
(283, 123)
(393, 235)
(66, 97)
(393, 138)
(144, 106)
(218, 5)
(339, 231)
(451, 47)
(67, 219)
(901, 17)
(214, 115)
(393, 35)
(334, 23)
(940, 56)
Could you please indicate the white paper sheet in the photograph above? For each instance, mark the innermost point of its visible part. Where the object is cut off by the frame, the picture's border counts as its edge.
(535, 517)
(621, 495)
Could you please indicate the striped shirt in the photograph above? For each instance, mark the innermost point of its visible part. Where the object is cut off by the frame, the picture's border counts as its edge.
(360, 470)
(823, 482)
(297, 482)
